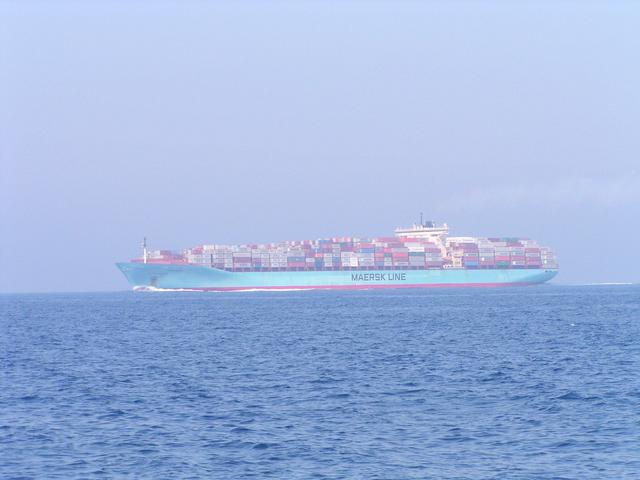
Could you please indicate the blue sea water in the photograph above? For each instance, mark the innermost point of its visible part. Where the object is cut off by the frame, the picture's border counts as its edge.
(519, 383)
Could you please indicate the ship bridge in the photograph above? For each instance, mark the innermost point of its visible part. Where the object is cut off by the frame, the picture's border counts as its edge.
(427, 230)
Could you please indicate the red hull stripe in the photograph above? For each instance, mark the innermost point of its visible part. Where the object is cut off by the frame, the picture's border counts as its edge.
(364, 287)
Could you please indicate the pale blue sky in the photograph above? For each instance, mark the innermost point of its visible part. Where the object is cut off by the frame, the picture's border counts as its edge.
(201, 122)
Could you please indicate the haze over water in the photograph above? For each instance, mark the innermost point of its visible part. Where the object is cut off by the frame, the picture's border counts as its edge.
(519, 383)
(225, 122)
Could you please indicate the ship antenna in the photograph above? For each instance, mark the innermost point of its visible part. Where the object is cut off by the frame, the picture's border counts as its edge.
(421, 222)
(145, 254)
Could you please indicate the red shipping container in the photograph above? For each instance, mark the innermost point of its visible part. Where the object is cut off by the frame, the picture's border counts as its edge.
(296, 264)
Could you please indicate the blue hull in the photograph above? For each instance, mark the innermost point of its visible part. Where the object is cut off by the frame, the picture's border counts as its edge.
(194, 277)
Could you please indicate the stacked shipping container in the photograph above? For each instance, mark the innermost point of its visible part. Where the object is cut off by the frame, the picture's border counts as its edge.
(325, 254)
(500, 253)
(383, 253)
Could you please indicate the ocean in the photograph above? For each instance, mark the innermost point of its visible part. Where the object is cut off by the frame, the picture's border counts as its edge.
(517, 383)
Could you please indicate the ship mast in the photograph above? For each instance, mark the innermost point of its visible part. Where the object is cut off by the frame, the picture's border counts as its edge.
(145, 253)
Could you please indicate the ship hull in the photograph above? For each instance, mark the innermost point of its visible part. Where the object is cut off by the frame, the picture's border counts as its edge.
(148, 276)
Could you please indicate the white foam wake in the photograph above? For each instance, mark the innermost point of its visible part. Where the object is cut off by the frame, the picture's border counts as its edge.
(149, 288)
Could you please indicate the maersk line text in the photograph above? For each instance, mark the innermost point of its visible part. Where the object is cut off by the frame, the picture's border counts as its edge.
(377, 277)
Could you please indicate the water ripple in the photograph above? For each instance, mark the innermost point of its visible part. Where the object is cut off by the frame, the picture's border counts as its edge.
(536, 383)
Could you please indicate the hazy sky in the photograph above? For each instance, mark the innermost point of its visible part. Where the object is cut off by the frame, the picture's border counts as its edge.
(201, 122)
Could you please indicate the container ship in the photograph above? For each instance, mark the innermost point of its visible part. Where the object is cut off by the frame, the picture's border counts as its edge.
(423, 255)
